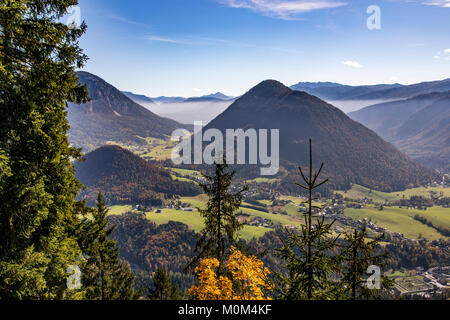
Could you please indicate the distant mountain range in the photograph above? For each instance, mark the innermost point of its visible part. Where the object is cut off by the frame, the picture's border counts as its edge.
(352, 153)
(125, 178)
(142, 99)
(336, 91)
(163, 99)
(216, 97)
(329, 91)
(419, 126)
(112, 116)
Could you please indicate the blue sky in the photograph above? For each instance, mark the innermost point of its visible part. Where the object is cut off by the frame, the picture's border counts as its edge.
(196, 47)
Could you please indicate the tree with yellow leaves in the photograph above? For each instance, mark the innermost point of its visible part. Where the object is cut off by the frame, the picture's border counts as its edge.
(211, 287)
(249, 279)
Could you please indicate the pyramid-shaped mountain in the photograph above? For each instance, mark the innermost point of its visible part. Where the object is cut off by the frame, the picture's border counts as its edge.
(351, 152)
(111, 116)
(124, 177)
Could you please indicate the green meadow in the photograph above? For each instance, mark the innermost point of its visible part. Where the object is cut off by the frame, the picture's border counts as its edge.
(264, 180)
(186, 172)
(360, 192)
(402, 220)
(195, 222)
(394, 219)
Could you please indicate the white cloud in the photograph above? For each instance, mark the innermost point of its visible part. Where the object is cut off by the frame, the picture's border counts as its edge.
(436, 57)
(282, 9)
(167, 40)
(447, 50)
(128, 21)
(211, 41)
(352, 64)
(438, 3)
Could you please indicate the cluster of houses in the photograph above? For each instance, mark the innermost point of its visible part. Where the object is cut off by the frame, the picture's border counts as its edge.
(177, 208)
(445, 183)
(359, 224)
(173, 205)
(439, 275)
(260, 222)
(332, 210)
(255, 221)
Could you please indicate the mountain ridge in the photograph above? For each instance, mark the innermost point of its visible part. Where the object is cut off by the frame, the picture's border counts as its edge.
(214, 97)
(138, 98)
(112, 116)
(417, 126)
(336, 91)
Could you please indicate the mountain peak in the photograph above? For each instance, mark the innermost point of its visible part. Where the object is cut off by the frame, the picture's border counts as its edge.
(218, 95)
(271, 84)
(269, 88)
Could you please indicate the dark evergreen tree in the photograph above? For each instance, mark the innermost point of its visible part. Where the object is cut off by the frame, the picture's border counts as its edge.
(104, 275)
(220, 216)
(359, 254)
(162, 288)
(5, 171)
(38, 58)
(311, 255)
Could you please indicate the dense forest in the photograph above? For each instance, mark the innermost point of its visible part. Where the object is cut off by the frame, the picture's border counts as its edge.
(148, 246)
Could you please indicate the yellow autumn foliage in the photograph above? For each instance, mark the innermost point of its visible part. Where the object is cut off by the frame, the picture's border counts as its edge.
(248, 280)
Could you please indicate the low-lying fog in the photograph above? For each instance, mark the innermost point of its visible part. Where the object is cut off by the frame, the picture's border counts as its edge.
(188, 112)
(354, 105)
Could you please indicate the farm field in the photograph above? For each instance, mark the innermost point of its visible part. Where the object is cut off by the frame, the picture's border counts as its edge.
(298, 201)
(190, 218)
(360, 192)
(395, 219)
(154, 149)
(118, 210)
(402, 220)
(159, 149)
(200, 201)
(175, 178)
(186, 172)
(195, 222)
(263, 180)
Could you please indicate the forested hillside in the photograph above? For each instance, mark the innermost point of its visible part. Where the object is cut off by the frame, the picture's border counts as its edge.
(111, 116)
(126, 178)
